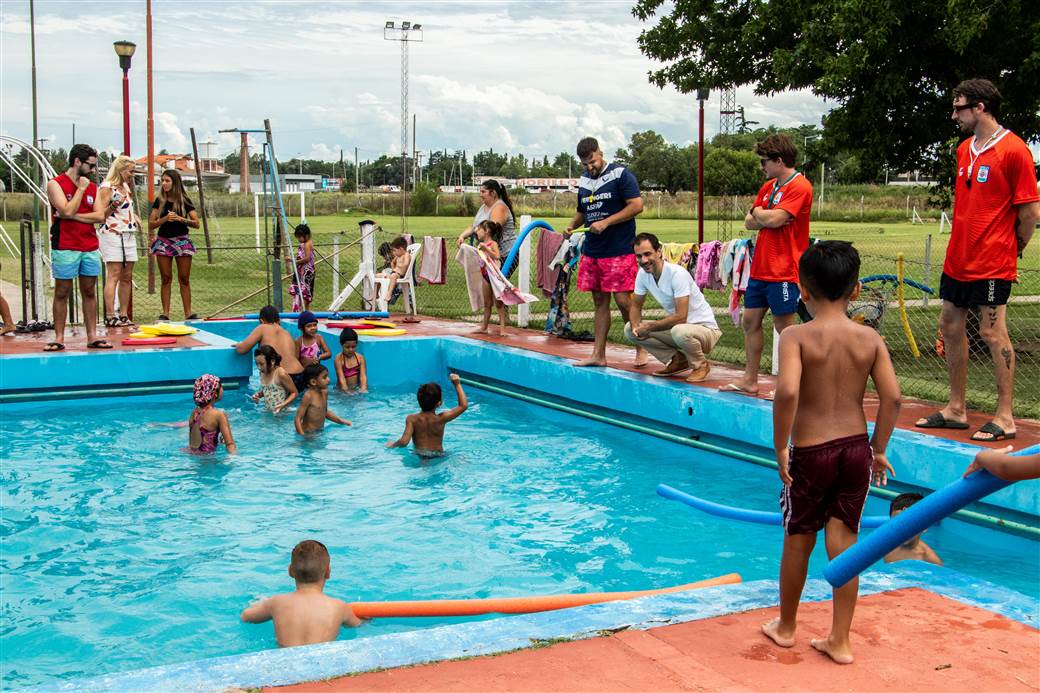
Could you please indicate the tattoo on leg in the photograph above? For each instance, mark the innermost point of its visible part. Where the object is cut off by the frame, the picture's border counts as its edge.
(992, 317)
(1006, 353)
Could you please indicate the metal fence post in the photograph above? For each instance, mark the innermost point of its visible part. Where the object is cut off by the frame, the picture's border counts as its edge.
(927, 268)
(335, 267)
(523, 311)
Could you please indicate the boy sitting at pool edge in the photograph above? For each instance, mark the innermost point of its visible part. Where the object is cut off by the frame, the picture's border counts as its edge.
(915, 549)
(427, 427)
(306, 616)
(314, 407)
(818, 411)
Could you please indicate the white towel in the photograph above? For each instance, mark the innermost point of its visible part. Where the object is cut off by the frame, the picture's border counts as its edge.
(434, 260)
(470, 261)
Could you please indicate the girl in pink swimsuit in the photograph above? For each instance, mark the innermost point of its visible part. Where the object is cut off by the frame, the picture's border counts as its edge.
(311, 345)
(207, 424)
(350, 365)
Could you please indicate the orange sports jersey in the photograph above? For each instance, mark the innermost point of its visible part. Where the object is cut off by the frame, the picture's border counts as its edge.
(982, 240)
(777, 251)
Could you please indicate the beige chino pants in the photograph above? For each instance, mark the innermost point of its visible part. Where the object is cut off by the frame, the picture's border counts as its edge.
(692, 339)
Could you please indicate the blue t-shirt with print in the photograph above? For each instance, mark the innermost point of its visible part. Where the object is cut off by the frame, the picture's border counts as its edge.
(600, 197)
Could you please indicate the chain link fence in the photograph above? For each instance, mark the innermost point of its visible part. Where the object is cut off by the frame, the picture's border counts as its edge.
(238, 280)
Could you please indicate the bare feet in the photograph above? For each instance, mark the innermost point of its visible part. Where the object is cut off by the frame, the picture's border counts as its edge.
(772, 631)
(9, 329)
(590, 363)
(482, 330)
(740, 388)
(642, 358)
(841, 655)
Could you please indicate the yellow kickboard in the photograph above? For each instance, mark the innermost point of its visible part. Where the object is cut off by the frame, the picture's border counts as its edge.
(168, 328)
(380, 323)
(382, 332)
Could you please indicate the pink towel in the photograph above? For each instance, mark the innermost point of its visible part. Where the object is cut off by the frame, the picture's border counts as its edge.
(434, 260)
(549, 243)
(501, 287)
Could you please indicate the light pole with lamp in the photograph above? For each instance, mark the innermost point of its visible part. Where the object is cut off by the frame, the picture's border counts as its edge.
(405, 33)
(823, 169)
(702, 96)
(125, 51)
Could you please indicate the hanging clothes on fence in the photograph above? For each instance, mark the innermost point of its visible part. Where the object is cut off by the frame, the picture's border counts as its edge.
(549, 243)
(741, 251)
(558, 322)
(688, 260)
(434, 260)
(673, 252)
(706, 274)
(470, 261)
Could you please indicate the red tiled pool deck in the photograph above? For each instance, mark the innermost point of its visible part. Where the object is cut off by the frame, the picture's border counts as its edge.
(620, 357)
(908, 639)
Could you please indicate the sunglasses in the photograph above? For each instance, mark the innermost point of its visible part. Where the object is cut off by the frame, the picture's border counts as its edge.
(763, 162)
(958, 109)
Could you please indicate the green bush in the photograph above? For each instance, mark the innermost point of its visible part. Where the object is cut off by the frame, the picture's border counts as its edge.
(424, 199)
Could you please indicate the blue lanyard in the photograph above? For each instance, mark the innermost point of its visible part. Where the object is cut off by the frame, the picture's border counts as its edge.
(776, 188)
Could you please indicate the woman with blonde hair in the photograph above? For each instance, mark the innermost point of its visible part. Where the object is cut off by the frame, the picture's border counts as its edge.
(117, 239)
(172, 214)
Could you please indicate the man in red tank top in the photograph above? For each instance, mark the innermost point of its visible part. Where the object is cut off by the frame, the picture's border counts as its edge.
(995, 210)
(74, 244)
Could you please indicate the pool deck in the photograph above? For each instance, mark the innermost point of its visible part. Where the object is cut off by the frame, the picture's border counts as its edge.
(894, 640)
(619, 357)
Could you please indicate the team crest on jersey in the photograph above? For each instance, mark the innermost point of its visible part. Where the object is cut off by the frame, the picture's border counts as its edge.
(983, 174)
(90, 199)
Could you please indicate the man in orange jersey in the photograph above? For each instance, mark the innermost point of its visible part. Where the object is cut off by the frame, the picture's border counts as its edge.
(781, 216)
(995, 210)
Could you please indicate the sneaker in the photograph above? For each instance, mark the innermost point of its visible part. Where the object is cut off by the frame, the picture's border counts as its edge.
(677, 365)
(699, 375)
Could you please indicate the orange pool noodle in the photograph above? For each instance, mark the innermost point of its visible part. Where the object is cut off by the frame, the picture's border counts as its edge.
(517, 605)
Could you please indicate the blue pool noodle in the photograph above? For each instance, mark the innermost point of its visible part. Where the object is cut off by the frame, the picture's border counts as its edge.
(354, 315)
(914, 520)
(509, 265)
(761, 517)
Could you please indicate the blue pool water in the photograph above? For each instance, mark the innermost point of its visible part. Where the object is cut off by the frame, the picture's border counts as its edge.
(120, 551)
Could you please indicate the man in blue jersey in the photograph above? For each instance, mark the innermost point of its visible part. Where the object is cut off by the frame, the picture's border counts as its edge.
(608, 202)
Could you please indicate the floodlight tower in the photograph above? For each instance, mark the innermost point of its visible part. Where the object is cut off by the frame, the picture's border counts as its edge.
(405, 33)
(727, 126)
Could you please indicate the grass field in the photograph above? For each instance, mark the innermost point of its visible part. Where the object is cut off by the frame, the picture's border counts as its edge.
(239, 270)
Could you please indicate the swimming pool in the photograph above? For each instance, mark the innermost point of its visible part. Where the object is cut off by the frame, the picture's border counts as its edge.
(130, 553)
(126, 560)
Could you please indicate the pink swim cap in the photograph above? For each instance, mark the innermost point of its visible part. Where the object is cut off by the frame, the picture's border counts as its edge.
(206, 388)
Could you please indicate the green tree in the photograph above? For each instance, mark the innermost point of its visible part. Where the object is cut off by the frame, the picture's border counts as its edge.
(889, 65)
(424, 199)
(566, 164)
(731, 172)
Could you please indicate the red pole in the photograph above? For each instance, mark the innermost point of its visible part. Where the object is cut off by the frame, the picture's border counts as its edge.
(126, 113)
(700, 174)
(150, 176)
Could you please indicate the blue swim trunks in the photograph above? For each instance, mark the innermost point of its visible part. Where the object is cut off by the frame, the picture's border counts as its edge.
(69, 264)
(781, 298)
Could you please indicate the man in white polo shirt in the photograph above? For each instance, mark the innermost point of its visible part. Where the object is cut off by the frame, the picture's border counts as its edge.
(689, 331)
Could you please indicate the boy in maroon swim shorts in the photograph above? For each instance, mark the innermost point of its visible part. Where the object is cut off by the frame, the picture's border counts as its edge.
(818, 411)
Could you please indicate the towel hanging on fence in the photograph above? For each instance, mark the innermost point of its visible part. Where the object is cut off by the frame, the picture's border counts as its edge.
(434, 260)
(706, 273)
(673, 252)
(470, 261)
(549, 243)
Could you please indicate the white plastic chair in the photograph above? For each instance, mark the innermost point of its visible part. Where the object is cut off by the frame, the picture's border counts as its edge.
(407, 284)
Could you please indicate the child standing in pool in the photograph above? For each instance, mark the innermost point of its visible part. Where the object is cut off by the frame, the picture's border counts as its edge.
(310, 345)
(302, 291)
(207, 424)
(314, 407)
(271, 333)
(306, 616)
(276, 387)
(349, 364)
(427, 427)
(915, 549)
(818, 412)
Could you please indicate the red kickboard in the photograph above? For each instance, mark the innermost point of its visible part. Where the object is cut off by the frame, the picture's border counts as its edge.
(149, 341)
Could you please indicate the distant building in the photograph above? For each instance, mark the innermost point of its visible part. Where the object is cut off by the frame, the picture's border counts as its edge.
(534, 185)
(213, 175)
(291, 183)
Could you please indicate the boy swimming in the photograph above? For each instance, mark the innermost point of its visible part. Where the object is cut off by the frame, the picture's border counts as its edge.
(306, 616)
(314, 408)
(271, 333)
(427, 427)
(915, 549)
(818, 411)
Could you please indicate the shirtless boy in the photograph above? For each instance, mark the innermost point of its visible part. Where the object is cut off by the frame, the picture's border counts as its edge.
(824, 366)
(306, 616)
(314, 408)
(914, 549)
(427, 427)
(271, 333)
(398, 265)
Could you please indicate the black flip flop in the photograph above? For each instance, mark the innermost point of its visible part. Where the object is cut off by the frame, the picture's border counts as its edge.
(994, 430)
(937, 420)
(58, 346)
(99, 344)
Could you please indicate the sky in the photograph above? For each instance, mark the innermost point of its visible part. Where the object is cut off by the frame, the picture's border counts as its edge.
(530, 77)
